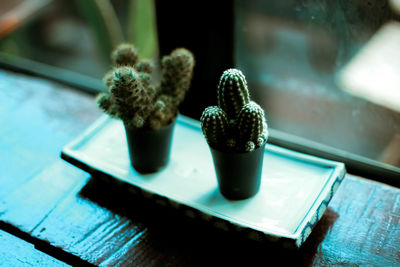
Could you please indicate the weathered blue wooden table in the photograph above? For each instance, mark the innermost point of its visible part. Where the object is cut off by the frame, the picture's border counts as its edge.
(52, 213)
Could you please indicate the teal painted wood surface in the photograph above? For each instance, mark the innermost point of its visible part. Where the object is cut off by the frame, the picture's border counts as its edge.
(63, 211)
(17, 252)
(35, 125)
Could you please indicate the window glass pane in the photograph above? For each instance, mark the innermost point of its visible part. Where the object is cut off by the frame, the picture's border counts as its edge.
(75, 35)
(325, 70)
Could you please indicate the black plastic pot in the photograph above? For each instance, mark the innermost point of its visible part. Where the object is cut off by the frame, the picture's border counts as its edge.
(238, 174)
(149, 150)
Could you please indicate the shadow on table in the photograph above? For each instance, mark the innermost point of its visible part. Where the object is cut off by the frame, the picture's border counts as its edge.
(195, 241)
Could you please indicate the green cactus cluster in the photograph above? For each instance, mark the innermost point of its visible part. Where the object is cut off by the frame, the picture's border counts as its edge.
(135, 98)
(237, 123)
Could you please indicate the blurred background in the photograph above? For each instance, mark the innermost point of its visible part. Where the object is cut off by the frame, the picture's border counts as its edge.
(311, 65)
(326, 71)
(76, 35)
(296, 55)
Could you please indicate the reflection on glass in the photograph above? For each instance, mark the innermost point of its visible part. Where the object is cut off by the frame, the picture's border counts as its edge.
(294, 54)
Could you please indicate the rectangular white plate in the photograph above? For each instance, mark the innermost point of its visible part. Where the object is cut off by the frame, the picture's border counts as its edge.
(295, 188)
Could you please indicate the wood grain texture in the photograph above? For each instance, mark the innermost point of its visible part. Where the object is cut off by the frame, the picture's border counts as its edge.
(85, 229)
(367, 229)
(37, 119)
(26, 206)
(104, 224)
(116, 228)
(124, 230)
(17, 252)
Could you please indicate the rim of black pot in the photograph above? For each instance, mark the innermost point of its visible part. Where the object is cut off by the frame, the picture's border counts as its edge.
(151, 130)
(238, 152)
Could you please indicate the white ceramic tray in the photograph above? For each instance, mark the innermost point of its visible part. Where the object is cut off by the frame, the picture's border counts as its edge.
(295, 188)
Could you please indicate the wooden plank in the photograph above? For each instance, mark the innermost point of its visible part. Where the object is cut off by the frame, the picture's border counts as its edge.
(17, 252)
(85, 229)
(103, 224)
(366, 228)
(125, 230)
(348, 233)
(27, 205)
(37, 119)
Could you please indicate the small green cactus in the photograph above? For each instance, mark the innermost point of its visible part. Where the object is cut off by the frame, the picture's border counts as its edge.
(214, 125)
(250, 124)
(237, 123)
(133, 97)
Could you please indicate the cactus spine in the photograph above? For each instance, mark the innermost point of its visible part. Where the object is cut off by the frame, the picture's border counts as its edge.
(237, 123)
(133, 97)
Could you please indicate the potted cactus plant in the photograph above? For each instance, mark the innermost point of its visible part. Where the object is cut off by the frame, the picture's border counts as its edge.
(147, 109)
(236, 132)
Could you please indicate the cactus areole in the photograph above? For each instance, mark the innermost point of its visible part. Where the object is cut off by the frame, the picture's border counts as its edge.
(147, 109)
(236, 131)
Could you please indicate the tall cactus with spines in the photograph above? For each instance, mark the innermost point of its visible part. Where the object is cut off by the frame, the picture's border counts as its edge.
(176, 73)
(133, 97)
(232, 93)
(134, 101)
(237, 123)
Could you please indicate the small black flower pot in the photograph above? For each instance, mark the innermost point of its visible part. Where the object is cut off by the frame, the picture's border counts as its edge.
(238, 174)
(149, 150)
